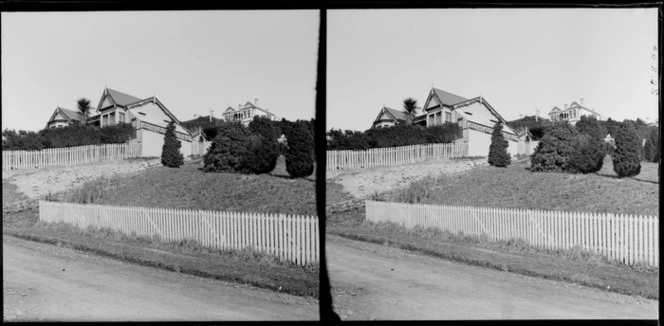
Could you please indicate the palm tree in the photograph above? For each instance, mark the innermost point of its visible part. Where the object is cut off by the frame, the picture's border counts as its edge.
(410, 106)
(84, 107)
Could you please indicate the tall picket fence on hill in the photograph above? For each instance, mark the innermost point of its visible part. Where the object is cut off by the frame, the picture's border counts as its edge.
(289, 237)
(23, 160)
(629, 239)
(394, 155)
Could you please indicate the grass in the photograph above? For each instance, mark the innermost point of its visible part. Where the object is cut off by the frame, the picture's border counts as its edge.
(573, 266)
(517, 187)
(188, 187)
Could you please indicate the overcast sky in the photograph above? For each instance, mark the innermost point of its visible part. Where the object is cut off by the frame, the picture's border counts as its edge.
(191, 60)
(517, 59)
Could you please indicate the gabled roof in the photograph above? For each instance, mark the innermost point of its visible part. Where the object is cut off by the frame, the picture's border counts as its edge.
(229, 109)
(398, 115)
(251, 106)
(479, 118)
(555, 109)
(158, 103)
(69, 114)
(447, 98)
(72, 115)
(120, 98)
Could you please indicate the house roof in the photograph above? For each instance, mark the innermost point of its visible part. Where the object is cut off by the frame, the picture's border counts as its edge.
(121, 98)
(447, 98)
(250, 105)
(398, 115)
(480, 116)
(72, 115)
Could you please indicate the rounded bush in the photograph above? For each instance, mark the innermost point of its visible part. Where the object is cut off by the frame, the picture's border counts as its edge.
(553, 152)
(498, 155)
(299, 155)
(261, 154)
(626, 157)
(588, 154)
(228, 149)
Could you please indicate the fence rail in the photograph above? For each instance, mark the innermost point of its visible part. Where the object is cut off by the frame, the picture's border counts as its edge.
(289, 237)
(626, 238)
(22, 160)
(393, 155)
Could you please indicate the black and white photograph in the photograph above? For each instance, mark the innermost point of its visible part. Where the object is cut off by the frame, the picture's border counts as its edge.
(493, 163)
(159, 166)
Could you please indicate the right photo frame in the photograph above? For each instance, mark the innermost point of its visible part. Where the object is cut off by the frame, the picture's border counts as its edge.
(492, 163)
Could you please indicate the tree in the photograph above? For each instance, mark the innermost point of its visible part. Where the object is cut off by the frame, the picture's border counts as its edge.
(410, 106)
(299, 155)
(228, 149)
(553, 152)
(262, 147)
(651, 148)
(83, 105)
(626, 158)
(588, 154)
(592, 127)
(170, 152)
(498, 155)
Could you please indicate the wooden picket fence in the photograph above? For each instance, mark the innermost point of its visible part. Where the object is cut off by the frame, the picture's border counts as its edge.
(21, 160)
(289, 237)
(394, 155)
(628, 239)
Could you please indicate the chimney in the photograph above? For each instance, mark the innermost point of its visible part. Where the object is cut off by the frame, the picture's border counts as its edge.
(239, 106)
(211, 113)
(581, 101)
(256, 101)
(565, 106)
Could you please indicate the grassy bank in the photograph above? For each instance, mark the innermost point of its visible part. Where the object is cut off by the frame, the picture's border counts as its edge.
(517, 187)
(189, 187)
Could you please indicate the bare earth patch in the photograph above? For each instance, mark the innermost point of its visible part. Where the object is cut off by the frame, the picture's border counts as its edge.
(37, 184)
(361, 183)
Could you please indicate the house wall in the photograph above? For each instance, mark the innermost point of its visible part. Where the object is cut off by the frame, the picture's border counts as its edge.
(57, 124)
(153, 142)
(479, 143)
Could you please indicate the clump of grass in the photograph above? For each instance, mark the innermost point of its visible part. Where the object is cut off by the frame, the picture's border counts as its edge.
(93, 190)
(417, 191)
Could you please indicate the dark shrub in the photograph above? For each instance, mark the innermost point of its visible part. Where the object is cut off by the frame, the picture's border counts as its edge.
(588, 154)
(117, 134)
(498, 155)
(555, 147)
(22, 140)
(170, 152)
(626, 158)
(651, 148)
(348, 140)
(592, 127)
(261, 155)
(299, 155)
(445, 133)
(227, 151)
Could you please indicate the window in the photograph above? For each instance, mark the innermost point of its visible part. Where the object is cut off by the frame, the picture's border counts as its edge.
(460, 122)
(111, 118)
(438, 117)
(104, 120)
(448, 116)
(121, 117)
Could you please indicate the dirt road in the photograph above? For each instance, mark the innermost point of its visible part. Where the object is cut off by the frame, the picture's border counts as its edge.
(44, 282)
(371, 281)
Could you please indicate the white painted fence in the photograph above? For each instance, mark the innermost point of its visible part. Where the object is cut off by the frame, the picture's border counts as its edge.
(20, 160)
(200, 148)
(626, 238)
(288, 237)
(393, 155)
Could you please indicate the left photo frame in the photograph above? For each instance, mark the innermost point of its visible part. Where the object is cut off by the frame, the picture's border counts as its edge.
(160, 165)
